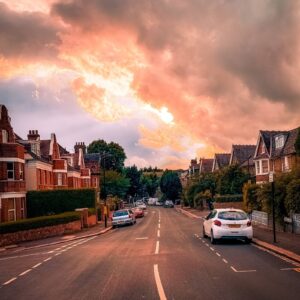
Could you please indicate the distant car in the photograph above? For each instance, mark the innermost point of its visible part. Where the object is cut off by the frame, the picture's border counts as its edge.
(158, 203)
(139, 212)
(227, 224)
(123, 217)
(142, 206)
(168, 203)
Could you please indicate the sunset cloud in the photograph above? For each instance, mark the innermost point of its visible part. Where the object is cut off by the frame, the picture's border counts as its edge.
(191, 77)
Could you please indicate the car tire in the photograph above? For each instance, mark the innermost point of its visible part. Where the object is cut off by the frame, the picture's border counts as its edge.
(248, 241)
(203, 233)
(212, 238)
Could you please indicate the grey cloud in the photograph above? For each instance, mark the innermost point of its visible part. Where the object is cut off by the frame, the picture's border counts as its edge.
(25, 34)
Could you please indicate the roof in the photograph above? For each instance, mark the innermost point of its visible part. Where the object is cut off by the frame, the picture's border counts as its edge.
(206, 165)
(269, 140)
(242, 153)
(222, 159)
(91, 157)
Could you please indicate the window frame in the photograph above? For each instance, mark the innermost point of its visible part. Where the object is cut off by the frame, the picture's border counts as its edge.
(10, 170)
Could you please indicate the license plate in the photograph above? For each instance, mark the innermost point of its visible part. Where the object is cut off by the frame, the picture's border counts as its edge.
(234, 226)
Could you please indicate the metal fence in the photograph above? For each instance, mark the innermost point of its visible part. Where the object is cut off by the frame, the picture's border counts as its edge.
(259, 217)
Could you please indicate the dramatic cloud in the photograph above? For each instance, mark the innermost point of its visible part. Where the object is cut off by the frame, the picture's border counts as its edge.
(200, 74)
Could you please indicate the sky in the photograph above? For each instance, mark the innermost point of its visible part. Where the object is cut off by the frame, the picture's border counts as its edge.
(168, 80)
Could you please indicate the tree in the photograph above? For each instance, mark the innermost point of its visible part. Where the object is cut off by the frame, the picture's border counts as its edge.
(116, 184)
(292, 200)
(150, 183)
(113, 155)
(134, 176)
(170, 185)
(297, 143)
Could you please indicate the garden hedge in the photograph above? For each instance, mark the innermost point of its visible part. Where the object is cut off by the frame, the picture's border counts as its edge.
(45, 203)
(33, 223)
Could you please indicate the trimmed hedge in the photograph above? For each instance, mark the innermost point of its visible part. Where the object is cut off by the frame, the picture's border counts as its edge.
(27, 224)
(228, 198)
(45, 203)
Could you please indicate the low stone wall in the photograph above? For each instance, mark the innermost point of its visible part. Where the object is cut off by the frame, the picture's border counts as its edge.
(237, 205)
(39, 233)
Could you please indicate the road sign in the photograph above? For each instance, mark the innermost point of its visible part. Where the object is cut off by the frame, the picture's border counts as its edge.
(271, 177)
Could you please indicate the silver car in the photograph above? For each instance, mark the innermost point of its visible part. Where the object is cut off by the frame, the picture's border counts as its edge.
(123, 217)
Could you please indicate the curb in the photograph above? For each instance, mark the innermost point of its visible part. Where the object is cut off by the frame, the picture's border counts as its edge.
(187, 213)
(59, 242)
(286, 253)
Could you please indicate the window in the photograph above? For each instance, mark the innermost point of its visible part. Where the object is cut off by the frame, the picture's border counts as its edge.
(4, 136)
(262, 166)
(11, 209)
(265, 166)
(59, 179)
(10, 171)
(279, 141)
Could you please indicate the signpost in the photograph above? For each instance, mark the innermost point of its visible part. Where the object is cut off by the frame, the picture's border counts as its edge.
(271, 180)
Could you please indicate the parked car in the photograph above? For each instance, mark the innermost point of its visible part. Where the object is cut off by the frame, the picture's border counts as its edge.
(142, 206)
(158, 203)
(227, 223)
(168, 203)
(123, 217)
(139, 212)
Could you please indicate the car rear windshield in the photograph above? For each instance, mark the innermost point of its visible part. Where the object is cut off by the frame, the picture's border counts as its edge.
(120, 213)
(232, 215)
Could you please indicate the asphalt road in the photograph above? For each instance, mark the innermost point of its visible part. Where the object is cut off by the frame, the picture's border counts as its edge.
(163, 256)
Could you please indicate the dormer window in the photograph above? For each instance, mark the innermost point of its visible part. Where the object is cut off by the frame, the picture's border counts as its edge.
(279, 141)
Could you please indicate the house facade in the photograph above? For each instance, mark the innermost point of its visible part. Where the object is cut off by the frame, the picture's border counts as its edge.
(275, 152)
(12, 175)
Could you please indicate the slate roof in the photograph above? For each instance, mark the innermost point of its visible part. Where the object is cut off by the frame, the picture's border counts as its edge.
(242, 153)
(91, 157)
(206, 165)
(269, 140)
(222, 159)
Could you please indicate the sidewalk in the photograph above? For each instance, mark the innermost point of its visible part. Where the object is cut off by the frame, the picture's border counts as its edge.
(86, 232)
(288, 244)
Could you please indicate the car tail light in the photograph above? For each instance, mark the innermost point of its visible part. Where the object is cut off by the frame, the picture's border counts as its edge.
(217, 223)
(248, 223)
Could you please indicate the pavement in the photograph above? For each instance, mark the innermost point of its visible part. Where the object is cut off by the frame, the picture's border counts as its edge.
(84, 233)
(287, 244)
(163, 256)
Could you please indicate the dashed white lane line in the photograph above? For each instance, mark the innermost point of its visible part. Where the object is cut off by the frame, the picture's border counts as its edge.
(158, 233)
(218, 254)
(225, 261)
(157, 247)
(47, 259)
(206, 245)
(142, 238)
(158, 225)
(25, 272)
(10, 281)
(211, 248)
(160, 289)
(37, 265)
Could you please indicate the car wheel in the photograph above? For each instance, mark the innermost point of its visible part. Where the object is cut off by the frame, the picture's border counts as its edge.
(248, 241)
(212, 238)
(203, 233)
(114, 226)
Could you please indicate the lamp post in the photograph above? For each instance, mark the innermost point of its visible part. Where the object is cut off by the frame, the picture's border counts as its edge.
(271, 180)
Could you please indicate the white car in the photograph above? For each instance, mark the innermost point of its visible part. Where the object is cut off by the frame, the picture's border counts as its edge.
(227, 223)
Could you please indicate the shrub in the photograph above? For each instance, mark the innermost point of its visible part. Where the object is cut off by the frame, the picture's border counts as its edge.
(292, 200)
(45, 203)
(250, 198)
(33, 223)
(228, 198)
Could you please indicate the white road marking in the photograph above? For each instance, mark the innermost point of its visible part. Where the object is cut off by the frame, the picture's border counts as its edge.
(203, 241)
(47, 259)
(157, 247)
(160, 288)
(242, 271)
(57, 254)
(199, 238)
(225, 261)
(9, 281)
(218, 254)
(287, 269)
(233, 269)
(37, 265)
(158, 225)
(142, 238)
(158, 233)
(206, 244)
(25, 272)
(211, 248)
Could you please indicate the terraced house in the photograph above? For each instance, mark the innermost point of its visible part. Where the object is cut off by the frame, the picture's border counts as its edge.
(12, 178)
(275, 152)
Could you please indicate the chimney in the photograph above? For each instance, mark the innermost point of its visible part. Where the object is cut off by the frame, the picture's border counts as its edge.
(80, 145)
(33, 135)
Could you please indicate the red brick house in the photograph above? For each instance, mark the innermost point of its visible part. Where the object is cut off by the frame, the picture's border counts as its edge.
(221, 160)
(275, 152)
(92, 161)
(12, 177)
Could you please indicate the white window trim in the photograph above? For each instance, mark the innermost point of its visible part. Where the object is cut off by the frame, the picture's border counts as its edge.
(285, 164)
(260, 167)
(4, 136)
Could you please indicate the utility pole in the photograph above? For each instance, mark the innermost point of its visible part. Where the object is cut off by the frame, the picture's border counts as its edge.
(271, 179)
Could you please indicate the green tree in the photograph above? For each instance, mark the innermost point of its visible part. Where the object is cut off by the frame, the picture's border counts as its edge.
(116, 184)
(150, 183)
(113, 155)
(292, 200)
(134, 176)
(170, 185)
